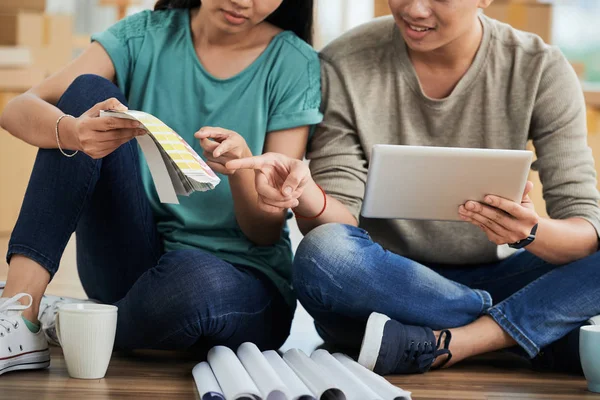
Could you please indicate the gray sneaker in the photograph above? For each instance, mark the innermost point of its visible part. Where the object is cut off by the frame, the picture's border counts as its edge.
(48, 309)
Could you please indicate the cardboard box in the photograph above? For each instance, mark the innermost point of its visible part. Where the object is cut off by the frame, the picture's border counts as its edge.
(122, 6)
(22, 29)
(5, 97)
(591, 93)
(592, 97)
(12, 56)
(16, 163)
(381, 8)
(10, 6)
(58, 51)
(49, 37)
(526, 15)
(593, 121)
(80, 42)
(20, 79)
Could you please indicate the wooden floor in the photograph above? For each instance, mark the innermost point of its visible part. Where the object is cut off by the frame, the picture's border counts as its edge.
(167, 375)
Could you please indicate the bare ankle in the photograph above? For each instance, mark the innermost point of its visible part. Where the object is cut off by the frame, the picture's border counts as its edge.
(481, 336)
(31, 315)
(27, 276)
(444, 360)
(441, 362)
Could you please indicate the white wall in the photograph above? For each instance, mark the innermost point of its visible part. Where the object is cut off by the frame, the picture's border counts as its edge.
(335, 17)
(575, 23)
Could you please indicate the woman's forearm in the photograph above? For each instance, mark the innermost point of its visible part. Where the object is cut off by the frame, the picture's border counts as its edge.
(33, 120)
(564, 241)
(261, 227)
(312, 203)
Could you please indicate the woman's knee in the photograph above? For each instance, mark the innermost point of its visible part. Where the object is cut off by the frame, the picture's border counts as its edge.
(195, 280)
(213, 300)
(86, 91)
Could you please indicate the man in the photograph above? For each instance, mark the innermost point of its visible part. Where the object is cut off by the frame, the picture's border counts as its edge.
(428, 294)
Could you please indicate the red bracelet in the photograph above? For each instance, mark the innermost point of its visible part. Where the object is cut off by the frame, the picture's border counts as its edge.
(298, 216)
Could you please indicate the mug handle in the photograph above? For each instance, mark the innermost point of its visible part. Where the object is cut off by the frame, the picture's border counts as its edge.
(57, 325)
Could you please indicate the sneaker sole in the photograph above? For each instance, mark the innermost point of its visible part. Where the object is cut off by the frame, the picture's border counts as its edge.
(371, 344)
(33, 360)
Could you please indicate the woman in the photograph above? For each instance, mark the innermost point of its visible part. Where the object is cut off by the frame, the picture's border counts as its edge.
(427, 294)
(214, 269)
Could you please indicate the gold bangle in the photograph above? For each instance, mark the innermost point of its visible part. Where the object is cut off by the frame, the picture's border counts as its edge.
(58, 140)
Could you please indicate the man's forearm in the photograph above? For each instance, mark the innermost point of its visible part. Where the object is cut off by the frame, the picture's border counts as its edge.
(564, 241)
(311, 204)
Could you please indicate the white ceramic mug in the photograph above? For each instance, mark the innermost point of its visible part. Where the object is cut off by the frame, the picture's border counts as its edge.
(589, 352)
(87, 334)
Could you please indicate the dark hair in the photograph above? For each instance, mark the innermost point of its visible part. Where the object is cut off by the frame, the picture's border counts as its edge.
(292, 15)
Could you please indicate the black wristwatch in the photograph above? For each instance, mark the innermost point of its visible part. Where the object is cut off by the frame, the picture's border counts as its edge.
(527, 241)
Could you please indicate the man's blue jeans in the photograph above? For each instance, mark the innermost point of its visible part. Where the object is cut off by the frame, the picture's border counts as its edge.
(178, 300)
(341, 276)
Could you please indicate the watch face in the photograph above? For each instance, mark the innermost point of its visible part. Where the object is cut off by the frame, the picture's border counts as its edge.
(522, 243)
(519, 245)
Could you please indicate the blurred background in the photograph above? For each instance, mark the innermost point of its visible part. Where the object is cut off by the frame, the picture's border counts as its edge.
(574, 23)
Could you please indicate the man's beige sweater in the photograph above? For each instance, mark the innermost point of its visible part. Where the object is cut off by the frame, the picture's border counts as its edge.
(518, 88)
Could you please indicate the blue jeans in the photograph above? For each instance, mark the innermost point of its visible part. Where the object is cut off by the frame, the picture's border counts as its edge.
(177, 300)
(341, 276)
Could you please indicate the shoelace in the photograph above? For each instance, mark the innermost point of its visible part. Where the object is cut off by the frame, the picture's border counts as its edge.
(425, 354)
(8, 322)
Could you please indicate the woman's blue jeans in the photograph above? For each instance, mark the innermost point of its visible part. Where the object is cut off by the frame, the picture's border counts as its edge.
(176, 300)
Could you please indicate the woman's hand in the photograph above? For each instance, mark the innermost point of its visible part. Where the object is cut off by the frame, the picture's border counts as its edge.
(280, 180)
(220, 146)
(503, 221)
(99, 136)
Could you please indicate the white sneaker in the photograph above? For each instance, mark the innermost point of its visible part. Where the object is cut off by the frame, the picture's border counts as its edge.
(19, 347)
(48, 308)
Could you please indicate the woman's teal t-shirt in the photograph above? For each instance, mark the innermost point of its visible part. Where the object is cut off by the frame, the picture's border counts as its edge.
(159, 72)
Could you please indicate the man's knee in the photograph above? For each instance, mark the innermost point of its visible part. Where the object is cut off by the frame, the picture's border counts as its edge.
(326, 257)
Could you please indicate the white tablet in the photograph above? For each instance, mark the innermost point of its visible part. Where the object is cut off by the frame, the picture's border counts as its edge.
(430, 183)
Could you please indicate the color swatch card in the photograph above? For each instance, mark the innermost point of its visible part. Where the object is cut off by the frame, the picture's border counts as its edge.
(175, 167)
